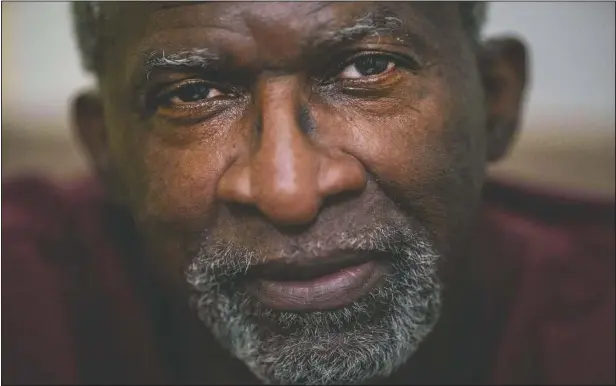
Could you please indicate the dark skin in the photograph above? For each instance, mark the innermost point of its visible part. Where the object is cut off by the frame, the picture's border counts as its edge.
(289, 150)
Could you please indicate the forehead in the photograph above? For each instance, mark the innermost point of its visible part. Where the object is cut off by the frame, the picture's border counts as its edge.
(297, 14)
(274, 31)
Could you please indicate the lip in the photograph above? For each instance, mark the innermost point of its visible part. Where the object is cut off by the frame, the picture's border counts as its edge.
(328, 291)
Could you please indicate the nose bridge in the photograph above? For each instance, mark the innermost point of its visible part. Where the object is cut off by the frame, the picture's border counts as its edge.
(285, 164)
(286, 175)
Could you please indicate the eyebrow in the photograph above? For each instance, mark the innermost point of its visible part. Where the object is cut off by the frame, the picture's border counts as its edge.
(198, 57)
(380, 22)
(372, 24)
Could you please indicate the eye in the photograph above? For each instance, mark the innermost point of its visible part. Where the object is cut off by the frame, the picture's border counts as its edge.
(188, 93)
(368, 65)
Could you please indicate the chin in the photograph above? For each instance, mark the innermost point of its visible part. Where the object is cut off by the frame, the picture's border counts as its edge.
(365, 339)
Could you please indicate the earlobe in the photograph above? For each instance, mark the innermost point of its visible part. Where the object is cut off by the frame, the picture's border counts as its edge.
(503, 67)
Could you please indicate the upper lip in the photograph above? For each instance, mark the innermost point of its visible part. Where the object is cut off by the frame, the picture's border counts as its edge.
(311, 268)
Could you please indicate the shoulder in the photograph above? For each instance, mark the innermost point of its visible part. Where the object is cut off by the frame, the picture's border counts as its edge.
(552, 253)
(42, 263)
(551, 234)
(540, 227)
(39, 219)
(38, 207)
(70, 260)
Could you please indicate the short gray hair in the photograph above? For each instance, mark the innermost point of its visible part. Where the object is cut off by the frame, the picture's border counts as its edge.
(88, 18)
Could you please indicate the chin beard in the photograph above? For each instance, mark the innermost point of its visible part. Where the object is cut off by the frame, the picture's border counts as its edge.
(368, 339)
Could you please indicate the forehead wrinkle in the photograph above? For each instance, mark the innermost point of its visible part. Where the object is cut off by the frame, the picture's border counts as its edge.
(319, 29)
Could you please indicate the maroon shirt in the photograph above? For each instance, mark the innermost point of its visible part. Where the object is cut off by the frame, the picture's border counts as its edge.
(539, 307)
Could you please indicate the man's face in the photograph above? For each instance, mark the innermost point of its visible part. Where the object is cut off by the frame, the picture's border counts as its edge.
(301, 169)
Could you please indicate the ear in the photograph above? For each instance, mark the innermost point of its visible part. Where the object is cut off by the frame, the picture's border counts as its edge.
(89, 127)
(503, 67)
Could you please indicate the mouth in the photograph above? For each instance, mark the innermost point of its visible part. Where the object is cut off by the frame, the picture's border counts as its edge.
(323, 284)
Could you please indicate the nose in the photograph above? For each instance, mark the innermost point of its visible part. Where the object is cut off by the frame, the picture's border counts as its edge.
(287, 175)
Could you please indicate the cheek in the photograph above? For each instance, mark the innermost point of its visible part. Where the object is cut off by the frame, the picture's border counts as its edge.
(414, 153)
(403, 146)
(171, 187)
(180, 183)
(171, 175)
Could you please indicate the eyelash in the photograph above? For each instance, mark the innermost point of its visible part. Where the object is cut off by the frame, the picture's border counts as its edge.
(161, 96)
(399, 60)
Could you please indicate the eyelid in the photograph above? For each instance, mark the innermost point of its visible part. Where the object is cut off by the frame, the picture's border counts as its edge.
(401, 59)
(158, 96)
(168, 88)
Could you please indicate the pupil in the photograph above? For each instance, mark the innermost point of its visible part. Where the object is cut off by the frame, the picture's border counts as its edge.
(193, 92)
(371, 65)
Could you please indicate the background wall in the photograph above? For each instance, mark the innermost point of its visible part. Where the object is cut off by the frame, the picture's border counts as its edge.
(568, 127)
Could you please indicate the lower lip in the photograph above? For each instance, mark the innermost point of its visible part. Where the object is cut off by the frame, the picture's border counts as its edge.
(330, 291)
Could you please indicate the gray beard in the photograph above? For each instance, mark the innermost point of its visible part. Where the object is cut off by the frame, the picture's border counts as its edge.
(366, 340)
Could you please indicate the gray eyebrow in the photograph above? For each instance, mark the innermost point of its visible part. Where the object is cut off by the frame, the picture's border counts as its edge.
(381, 21)
(369, 25)
(198, 57)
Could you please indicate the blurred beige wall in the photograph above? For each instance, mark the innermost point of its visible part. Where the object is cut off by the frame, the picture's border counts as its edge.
(567, 139)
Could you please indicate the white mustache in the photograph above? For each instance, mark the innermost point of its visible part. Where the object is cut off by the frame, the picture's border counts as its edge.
(230, 259)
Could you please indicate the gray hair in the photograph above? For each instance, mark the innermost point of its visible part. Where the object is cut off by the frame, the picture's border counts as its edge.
(88, 23)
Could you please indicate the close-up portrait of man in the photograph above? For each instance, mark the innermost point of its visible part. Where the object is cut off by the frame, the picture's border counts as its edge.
(296, 193)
